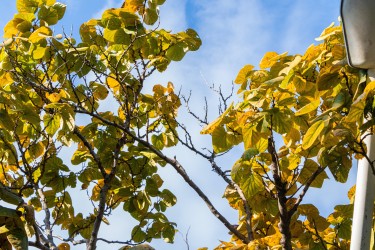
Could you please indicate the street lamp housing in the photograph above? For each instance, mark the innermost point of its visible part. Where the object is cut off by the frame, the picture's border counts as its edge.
(358, 17)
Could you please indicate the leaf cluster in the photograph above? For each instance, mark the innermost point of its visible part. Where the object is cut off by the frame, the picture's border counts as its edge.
(313, 106)
(87, 95)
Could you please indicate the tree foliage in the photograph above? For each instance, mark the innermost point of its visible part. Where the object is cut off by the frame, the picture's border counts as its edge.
(53, 89)
(300, 118)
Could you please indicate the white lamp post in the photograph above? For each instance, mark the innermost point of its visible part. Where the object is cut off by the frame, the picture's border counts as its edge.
(358, 18)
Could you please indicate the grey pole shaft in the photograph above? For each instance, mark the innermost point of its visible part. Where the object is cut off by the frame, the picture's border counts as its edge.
(364, 195)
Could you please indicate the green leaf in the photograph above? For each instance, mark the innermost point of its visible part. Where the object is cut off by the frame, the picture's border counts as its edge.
(52, 123)
(80, 156)
(250, 153)
(35, 150)
(168, 198)
(124, 192)
(7, 212)
(280, 120)
(158, 141)
(252, 185)
(49, 15)
(150, 16)
(60, 9)
(312, 134)
(138, 235)
(250, 136)
(176, 52)
(219, 140)
(168, 233)
(18, 238)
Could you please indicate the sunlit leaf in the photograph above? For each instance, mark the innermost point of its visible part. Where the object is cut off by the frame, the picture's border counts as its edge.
(308, 108)
(312, 134)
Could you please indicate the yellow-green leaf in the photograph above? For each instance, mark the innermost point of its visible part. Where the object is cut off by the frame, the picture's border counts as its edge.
(28, 6)
(252, 185)
(47, 14)
(356, 111)
(176, 52)
(312, 134)
(40, 34)
(308, 108)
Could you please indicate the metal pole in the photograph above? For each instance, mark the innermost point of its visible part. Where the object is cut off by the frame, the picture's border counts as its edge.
(364, 194)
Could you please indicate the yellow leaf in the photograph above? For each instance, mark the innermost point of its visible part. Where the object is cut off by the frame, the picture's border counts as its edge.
(243, 74)
(159, 90)
(113, 83)
(312, 134)
(269, 59)
(6, 79)
(369, 87)
(170, 87)
(10, 29)
(40, 34)
(63, 246)
(329, 31)
(213, 125)
(53, 97)
(132, 5)
(291, 64)
(351, 193)
(308, 108)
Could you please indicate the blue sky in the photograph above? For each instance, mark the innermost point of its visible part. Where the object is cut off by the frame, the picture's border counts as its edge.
(234, 33)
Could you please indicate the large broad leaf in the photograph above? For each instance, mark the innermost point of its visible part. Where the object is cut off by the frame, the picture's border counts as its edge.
(18, 238)
(60, 9)
(150, 16)
(308, 108)
(312, 134)
(29, 6)
(49, 15)
(269, 59)
(307, 171)
(328, 78)
(176, 52)
(244, 74)
(356, 111)
(118, 36)
(219, 140)
(250, 136)
(280, 119)
(252, 185)
(338, 162)
(52, 123)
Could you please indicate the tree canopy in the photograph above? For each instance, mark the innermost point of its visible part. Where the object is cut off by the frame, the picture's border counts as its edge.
(297, 116)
